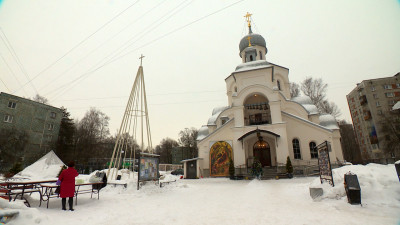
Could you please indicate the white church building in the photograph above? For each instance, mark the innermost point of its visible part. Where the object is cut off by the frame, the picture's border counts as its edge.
(261, 121)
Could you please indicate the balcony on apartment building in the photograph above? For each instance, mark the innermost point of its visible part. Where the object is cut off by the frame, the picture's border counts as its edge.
(367, 115)
(363, 99)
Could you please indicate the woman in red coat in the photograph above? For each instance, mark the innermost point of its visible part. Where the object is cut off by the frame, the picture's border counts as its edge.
(67, 188)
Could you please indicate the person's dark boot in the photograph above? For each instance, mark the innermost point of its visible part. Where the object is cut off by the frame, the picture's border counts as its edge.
(71, 203)
(63, 202)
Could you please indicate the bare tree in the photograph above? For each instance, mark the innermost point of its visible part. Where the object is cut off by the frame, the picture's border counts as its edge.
(316, 90)
(330, 108)
(164, 149)
(294, 90)
(390, 130)
(187, 138)
(41, 99)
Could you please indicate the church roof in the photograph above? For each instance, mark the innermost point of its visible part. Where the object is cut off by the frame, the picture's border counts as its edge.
(328, 121)
(203, 132)
(306, 102)
(258, 64)
(255, 39)
(215, 113)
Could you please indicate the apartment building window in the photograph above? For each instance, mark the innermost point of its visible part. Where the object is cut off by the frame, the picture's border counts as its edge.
(379, 112)
(398, 85)
(387, 86)
(50, 126)
(53, 115)
(375, 96)
(373, 88)
(392, 102)
(8, 118)
(389, 94)
(378, 104)
(12, 104)
(360, 93)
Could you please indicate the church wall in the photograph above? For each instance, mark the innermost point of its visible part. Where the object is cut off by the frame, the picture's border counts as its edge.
(295, 109)
(307, 133)
(223, 134)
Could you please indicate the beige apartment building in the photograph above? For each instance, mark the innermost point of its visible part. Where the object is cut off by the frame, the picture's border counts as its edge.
(369, 103)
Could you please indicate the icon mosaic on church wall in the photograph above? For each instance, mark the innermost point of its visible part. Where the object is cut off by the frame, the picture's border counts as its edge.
(220, 152)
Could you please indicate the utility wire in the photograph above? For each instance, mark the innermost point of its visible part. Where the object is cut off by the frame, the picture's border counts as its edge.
(170, 103)
(12, 72)
(102, 44)
(84, 40)
(16, 58)
(175, 30)
(4, 84)
(76, 81)
(172, 93)
(156, 39)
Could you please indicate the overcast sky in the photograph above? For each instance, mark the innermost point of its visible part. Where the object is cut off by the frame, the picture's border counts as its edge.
(190, 47)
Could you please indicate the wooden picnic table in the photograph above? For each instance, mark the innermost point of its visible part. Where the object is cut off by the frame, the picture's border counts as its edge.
(48, 191)
(19, 188)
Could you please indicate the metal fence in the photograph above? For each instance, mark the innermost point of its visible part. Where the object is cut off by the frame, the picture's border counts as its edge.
(169, 167)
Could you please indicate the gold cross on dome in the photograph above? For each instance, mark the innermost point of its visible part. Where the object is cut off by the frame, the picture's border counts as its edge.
(248, 38)
(141, 58)
(248, 18)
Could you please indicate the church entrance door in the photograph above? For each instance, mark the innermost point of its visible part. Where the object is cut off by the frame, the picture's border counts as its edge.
(262, 152)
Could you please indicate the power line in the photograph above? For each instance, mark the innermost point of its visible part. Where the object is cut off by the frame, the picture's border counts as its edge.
(12, 72)
(16, 58)
(76, 46)
(172, 12)
(154, 40)
(102, 44)
(172, 93)
(170, 103)
(5, 84)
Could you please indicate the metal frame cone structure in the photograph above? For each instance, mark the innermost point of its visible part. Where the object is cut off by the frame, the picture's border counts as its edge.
(134, 127)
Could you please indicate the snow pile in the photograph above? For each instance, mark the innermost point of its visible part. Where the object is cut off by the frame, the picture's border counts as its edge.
(379, 184)
(25, 215)
(46, 167)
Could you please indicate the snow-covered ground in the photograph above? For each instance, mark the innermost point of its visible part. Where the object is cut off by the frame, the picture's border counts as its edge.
(222, 201)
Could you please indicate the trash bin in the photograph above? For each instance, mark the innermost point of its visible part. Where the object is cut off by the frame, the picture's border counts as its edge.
(397, 165)
(352, 188)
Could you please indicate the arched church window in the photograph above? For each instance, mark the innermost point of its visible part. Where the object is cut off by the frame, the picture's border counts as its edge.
(251, 58)
(313, 150)
(279, 84)
(296, 148)
(260, 55)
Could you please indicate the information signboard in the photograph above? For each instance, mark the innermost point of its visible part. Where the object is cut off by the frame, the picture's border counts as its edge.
(324, 163)
(148, 168)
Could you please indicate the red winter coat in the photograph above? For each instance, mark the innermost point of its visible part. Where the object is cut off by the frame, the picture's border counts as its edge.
(67, 177)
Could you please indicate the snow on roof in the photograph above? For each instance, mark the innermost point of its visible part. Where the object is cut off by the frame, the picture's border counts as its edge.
(304, 100)
(203, 132)
(215, 113)
(328, 121)
(46, 167)
(396, 106)
(312, 109)
(194, 159)
(398, 162)
(258, 64)
(219, 109)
